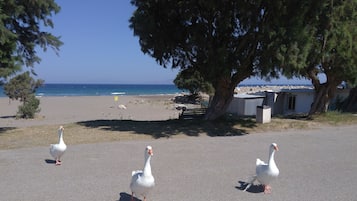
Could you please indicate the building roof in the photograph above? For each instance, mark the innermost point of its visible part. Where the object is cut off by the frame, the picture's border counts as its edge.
(248, 96)
(299, 90)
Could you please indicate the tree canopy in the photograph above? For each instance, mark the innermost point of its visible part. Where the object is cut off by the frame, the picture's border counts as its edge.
(327, 45)
(21, 86)
(225, 41)
(192, 81)
(21, 31)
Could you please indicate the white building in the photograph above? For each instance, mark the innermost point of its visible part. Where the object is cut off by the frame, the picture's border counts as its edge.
(282, 102)
(245, 104)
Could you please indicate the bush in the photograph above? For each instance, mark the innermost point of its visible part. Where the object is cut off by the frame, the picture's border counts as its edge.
(23, 87)
(29, 108)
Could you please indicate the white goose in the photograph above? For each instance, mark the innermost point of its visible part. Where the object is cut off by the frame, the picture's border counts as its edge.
(266, 173)
(142, 180)
(57, 150)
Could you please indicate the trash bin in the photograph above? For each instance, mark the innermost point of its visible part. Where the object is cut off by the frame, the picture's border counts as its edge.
(263, 114)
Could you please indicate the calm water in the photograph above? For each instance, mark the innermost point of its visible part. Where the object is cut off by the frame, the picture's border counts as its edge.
(102, 89)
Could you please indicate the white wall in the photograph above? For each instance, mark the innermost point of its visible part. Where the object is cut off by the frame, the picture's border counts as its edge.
(244, 106)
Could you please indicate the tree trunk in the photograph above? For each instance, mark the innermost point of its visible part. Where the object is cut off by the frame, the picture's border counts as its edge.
(350, 104)
(323, 94)
(221, 99)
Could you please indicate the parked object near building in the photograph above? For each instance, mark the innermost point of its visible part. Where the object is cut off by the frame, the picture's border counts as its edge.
(263, 114)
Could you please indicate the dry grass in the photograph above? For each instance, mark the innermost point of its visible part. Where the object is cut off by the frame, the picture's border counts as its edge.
(116, 130)
(73, 134)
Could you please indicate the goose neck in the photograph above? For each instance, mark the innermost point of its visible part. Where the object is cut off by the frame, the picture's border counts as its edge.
(60, 136)
(271, 158)
(147, 166)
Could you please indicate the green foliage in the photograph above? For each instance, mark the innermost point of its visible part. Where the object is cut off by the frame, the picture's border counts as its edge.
(192, 80)
(339, 40)
(22, 87)
(327, 44)
(20, 33)
(29, 108)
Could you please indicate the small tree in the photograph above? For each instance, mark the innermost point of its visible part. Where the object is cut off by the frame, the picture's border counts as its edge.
(29, 107)
(23, 87)
(192, 81)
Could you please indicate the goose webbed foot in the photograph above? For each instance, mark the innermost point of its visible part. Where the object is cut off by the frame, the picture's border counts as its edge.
(267, 189)
(58, 162)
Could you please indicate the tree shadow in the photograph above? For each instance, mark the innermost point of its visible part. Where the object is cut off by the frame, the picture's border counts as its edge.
(126, 197)
(4, 129)
(8, 117)
(168, 128)
(252, 189)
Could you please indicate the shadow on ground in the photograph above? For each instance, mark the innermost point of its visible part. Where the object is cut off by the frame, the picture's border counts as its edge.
(252, 189)
(159, 129)
(126, 197)
(8, 117)
(4, 129)
(50, 161)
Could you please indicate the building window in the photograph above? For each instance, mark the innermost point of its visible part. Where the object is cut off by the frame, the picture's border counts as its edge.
(291, 102)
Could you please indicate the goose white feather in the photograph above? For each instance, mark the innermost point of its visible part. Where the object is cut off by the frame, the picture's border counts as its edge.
(57, 150)
(266, 172)
(142, 181)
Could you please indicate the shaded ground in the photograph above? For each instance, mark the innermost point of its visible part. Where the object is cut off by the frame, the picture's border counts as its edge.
(95, 131)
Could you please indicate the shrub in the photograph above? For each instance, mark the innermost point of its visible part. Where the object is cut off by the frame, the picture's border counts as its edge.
(23, 87)
(29, 108)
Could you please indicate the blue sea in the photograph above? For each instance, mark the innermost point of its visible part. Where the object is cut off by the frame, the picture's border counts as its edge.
(102, 89)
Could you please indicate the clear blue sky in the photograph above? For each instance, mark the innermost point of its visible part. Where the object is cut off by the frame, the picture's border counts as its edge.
(99, 47)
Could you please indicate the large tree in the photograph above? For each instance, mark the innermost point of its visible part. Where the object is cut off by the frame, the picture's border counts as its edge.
(327, 45)
(225, 41)
(22, 24)
(334, 52)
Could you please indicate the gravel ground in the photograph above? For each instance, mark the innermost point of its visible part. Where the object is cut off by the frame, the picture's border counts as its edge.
(314, 165)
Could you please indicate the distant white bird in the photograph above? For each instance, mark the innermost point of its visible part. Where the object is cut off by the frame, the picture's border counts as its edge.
(123, 107)
(266, 173)
(57, 150)
(142, 181)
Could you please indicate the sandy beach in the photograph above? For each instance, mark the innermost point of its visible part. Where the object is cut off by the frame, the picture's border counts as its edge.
(71, 109)
(64, 110)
